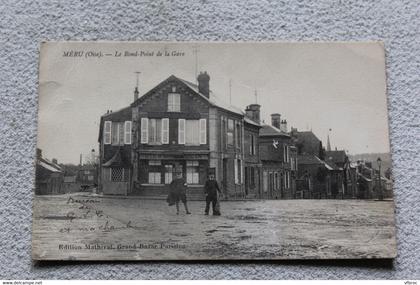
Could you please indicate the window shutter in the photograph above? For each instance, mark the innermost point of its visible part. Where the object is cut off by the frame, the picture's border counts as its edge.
(181, 131)
(121, 133)
(127, 132)
(170, 102)
(165, 131)
(203, 131)
(144, 130)
(107, 132)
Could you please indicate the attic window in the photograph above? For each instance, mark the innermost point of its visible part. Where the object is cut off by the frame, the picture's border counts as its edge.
(173, 89)
(174, 102)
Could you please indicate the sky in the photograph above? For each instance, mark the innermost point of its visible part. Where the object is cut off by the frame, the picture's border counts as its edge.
(335, 89)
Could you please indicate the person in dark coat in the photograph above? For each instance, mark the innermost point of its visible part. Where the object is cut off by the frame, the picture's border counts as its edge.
(212, 190)
(178, 192)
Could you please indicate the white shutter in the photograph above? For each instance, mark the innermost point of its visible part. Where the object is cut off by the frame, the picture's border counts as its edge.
(127, 132)
(170, 102)
(242, 171)
(181, 131)
(144, 130)
(165, 131)
(107, 132)
(203, 131)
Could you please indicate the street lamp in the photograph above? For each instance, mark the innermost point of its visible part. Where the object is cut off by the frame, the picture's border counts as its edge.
(380, 196)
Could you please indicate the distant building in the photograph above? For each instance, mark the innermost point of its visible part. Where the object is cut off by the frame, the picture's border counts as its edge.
(49, 176)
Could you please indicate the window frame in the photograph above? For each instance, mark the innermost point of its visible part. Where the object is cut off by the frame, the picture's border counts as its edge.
(174, 102)
(144, 131)
(127, 132)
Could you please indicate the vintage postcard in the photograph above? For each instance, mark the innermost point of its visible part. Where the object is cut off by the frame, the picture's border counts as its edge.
(212, 151)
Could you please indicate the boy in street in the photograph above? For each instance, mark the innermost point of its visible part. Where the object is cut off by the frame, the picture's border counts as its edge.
(178, 188)
(212, 190)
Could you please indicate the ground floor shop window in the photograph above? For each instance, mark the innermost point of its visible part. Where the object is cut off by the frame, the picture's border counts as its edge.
(154, 177)
(168, 173)
(154, 171)
(193, 172)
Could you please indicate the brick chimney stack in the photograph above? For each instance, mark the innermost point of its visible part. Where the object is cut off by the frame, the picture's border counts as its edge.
(253, 112)
(204, 83)
(283, 126)
(275, 120)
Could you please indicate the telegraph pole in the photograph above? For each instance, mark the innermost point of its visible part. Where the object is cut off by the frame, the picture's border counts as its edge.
(195, 51)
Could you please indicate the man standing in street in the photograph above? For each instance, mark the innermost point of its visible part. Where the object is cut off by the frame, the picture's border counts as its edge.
(212, 191)
(178, 190)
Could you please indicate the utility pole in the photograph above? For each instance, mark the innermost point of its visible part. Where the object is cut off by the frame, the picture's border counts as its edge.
(195, 51)
(256, 96)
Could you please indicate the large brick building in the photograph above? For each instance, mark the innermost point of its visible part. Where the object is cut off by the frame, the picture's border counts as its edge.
(177, 126)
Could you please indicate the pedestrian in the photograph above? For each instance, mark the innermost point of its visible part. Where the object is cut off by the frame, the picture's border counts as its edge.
(212, 191)
(178, 192)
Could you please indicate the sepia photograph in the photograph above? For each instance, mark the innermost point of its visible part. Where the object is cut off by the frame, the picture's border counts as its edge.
(212, 151)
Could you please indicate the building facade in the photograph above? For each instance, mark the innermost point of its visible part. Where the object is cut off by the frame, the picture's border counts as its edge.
(278, 158)
(177, 127)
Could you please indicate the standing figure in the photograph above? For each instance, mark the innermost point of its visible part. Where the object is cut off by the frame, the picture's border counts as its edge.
(212, 190)
(178, 192)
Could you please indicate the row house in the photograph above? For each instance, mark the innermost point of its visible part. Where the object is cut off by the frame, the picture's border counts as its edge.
(177, 126)
(253, 165)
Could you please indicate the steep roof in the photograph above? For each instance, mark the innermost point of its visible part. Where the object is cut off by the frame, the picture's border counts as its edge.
(336, 156)
(308, 159)
(251, 122)
(306, 136)
(214, 99)
(49, 165)
(270, 131)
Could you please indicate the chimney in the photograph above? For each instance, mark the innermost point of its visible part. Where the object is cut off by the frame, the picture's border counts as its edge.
(54, 160)
(283, 126)
(136, 93)
(253, 112)
(203, 84)
(275, 120)
(38, 153)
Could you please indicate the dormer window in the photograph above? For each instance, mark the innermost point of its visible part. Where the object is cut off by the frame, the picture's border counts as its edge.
(174, 102)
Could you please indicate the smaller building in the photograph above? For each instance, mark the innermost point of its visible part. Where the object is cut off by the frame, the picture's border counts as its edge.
(87, 175)
(49, 176)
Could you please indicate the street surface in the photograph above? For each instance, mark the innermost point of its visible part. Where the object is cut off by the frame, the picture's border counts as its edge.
(81, 227)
